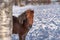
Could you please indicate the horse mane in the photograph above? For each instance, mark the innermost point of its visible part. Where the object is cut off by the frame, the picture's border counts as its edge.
(22, 17)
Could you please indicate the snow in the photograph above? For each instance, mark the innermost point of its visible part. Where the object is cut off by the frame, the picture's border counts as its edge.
(15, 37)
(46, 24)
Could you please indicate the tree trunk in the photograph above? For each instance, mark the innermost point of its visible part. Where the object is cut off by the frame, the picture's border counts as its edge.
(5, 19)
(17, 2)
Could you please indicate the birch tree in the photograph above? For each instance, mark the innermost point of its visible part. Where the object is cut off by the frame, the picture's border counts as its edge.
(5, 19)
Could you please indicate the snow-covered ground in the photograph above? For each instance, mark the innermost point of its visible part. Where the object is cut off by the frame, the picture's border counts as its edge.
(46, 25)
(15, 37)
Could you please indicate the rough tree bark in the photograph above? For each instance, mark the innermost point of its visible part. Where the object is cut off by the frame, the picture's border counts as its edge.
(17, 2)
(5, 19)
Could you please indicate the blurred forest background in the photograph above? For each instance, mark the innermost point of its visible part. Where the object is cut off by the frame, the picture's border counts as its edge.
(34, 2)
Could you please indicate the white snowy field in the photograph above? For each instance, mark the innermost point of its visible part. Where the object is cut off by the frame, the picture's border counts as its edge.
(46, 25)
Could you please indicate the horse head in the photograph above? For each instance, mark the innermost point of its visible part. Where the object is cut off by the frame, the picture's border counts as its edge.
(29, 16)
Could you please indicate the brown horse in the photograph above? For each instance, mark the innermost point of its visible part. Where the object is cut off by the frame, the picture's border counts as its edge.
(23, 23)
(26, 20)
